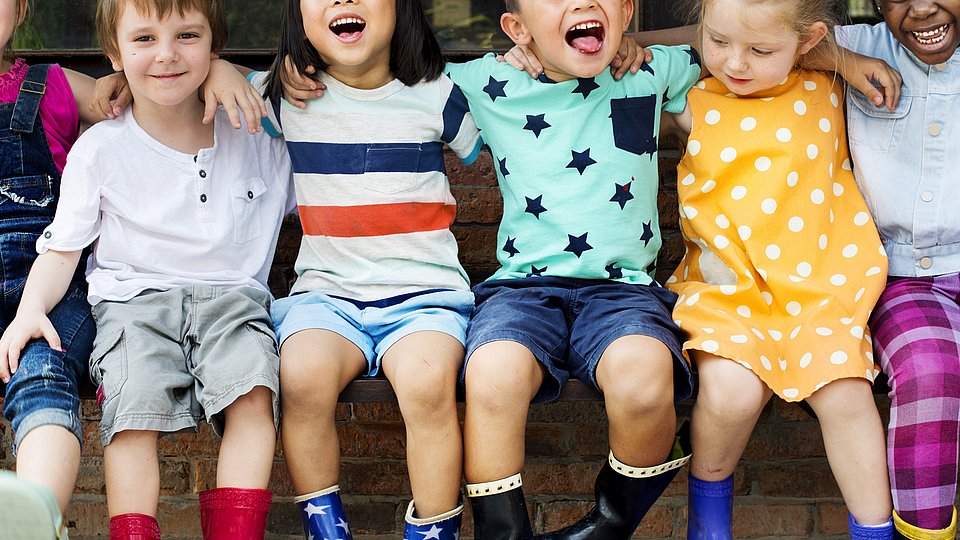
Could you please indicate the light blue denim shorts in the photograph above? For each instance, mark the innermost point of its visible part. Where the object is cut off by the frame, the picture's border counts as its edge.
(374, 326)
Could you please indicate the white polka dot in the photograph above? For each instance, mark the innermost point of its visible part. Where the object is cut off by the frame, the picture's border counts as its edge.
(819, 386)
(792, 179)
(795, 224)
(708, 186)
(800, 107)
(738, 338)
(832, 218)
(857, 332)
(837, 189)
(744, 364)
(790, 393)
(859, 294)
(758, 333)
(701, 85)
(783, 364)
(694, 298)
(846, 320)
(795, 279)
(804, 269)
(824, 331)
(693, 147)
(762, 273)
(773, 252)
(728, 290)
(817, 196)
(688, 180)
(744, 312)
(823, 241)
(686, 272)
(834, 100)
(838, 358)
(883, 252)
(870, 375)
(793, 308)
(766, 99)
(874, 270)
(775, 334)
(805, 360)
(809, 86)
(710, 346)
(850, 251)
(744, 232)
(825, 125)
(784, 135)
(722, 221)
(767, 298)
(738, 193)
(813, 151)
(762, 164)
(672, 279)
(769, 206)
(708, 330)
(712, 117)
(748, 123)
(846, 165)
(861, 219)
(838, 279)
(721, 241)
(728, 154)
(766, 363)
(795, 332)
(690, 212)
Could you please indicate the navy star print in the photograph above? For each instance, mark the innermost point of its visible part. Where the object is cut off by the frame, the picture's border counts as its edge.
(647, 233)
(536, 124)
(503, 167)
(623, 194)
(535, 207)
(537, 272)
(694, 56)
(510, 248)
(581, 160)
(613, 271)
(494, 89)
(585, 86)
(578, 244)
(648, 68)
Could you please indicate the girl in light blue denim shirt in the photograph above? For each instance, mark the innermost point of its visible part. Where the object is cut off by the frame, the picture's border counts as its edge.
(907, 163)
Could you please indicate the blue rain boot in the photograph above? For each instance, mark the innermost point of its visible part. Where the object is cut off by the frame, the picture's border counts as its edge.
(323, 516)
(446, 526)
(869, 532)
(710, 509)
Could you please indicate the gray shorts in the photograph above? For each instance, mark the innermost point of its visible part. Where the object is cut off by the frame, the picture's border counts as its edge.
(164, 360)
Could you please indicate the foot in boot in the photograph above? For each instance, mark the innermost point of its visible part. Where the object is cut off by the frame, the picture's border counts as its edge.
(445, 526)
(323, 516)
(710, 509)
(499, 510)
(869, 532)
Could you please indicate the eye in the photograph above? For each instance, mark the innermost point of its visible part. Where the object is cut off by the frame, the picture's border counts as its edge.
(761, 52)
(188, 35)
(142, 39)
(717, 40)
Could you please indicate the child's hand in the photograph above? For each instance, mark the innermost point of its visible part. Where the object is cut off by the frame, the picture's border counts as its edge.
(862, 71)
(24, 328)
(299, 87)
(522, 58)
(226, 86)
(111, 95)
(630, 56)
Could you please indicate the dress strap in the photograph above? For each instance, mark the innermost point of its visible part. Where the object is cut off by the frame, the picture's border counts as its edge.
(27, 109)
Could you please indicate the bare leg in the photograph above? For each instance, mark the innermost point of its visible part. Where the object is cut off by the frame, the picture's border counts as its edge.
(132, 472)
(315, 365)
(502, 377)
(856, 449)
(423, 369)
(249, 441)
(728, 406)
(50, 456)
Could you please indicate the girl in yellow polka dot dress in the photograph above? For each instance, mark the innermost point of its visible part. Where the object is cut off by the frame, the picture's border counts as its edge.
(783, 262)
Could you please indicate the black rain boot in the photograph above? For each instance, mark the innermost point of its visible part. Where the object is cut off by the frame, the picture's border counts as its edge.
(624, 495)
(499, 510)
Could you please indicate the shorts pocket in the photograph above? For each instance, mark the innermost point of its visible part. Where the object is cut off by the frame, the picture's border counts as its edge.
(108, 365)
(246, 209)
(634, 123)
(35, 190)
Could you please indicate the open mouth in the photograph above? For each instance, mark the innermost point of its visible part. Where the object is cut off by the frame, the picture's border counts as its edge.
(348, 28)
(932, 36)
(586, 38)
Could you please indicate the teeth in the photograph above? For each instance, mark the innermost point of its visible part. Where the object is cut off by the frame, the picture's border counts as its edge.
(930, 37)
(346, 20)
(587, 26)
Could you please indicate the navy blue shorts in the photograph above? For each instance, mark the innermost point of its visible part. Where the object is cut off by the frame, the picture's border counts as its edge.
(568, 323)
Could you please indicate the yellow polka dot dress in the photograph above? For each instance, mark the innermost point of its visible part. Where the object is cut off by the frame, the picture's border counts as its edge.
(783, 262)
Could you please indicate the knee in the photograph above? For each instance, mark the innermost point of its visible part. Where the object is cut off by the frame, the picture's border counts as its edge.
(636, 383)
(501, 377)
(257, 404)
(307, 385)
(428, 393)
(928, 375)
(723, 398)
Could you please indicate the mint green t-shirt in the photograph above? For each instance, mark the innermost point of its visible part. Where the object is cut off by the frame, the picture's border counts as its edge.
(577, 164)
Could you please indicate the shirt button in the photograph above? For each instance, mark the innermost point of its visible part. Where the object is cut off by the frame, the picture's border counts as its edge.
(926, 196)
(250, 195)
(941, 67)
(935, 129)
(47, 235)
(194, 159)
(926, 263)
(203, 197)
(203, 174)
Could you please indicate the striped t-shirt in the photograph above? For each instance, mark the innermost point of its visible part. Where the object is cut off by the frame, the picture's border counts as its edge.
(371, 186)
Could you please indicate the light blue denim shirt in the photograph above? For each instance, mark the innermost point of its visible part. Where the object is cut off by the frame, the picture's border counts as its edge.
(907, 162)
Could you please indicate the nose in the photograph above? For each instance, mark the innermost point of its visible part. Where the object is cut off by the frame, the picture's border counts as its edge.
(584, 5)
(166, 52)
(735, 62)
(922, 8)
(341, 2)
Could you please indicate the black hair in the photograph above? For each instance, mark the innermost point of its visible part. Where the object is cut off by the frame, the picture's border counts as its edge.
(415, 54)
(512, 6)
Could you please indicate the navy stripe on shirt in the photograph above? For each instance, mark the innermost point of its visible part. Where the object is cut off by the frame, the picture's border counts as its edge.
(454, 111)
(332, 158)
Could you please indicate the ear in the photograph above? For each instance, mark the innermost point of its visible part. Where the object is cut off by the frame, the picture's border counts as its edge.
(627, 14)
(514, 28)
(815, 33)
(115, 62)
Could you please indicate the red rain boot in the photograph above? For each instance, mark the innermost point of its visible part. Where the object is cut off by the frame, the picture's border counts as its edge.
(234, 513)
(134, 527)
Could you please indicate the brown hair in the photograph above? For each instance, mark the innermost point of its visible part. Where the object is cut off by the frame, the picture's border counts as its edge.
(109, 12)
(21, 16)
(513, 6)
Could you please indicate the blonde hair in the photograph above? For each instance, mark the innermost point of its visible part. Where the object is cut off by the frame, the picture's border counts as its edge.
(110, 11)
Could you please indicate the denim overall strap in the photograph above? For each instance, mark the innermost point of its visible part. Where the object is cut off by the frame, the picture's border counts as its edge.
(27, 109)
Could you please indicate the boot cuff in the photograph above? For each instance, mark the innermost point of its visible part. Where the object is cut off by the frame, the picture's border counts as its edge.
(250, 499)
(497, 486)
(430, 520)
(125, 525)
(912, 532)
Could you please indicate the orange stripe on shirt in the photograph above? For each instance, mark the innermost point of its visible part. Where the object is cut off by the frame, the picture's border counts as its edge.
(376, 219)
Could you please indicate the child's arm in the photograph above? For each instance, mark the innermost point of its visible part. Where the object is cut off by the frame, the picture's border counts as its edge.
(46, 284)
(98, 99)
(858, 70)
(227, 84)
(630, 57)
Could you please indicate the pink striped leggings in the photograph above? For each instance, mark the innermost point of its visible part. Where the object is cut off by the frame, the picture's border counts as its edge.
(916, 333)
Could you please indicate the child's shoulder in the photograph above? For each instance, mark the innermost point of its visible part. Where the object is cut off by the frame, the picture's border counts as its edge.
(868, 39)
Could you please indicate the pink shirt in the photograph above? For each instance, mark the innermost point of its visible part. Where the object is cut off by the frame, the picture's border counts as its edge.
(58, 108)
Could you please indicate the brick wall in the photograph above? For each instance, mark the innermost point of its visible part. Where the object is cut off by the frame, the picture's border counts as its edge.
(784, 485)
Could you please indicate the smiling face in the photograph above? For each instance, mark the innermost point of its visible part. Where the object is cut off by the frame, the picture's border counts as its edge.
(353, 37)
(572, 38)
(927, 28)
(748, 46)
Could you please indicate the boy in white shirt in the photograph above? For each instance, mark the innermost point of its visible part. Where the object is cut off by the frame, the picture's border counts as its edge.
(183, 217)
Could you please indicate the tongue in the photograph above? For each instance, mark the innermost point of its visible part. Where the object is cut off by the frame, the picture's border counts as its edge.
(587, 44)
(349, 35)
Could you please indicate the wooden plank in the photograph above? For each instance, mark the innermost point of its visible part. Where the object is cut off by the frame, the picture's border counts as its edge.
(378, 390)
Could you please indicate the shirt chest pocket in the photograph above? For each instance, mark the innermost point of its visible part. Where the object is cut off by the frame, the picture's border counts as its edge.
(872, 127)
(397, 165)
(634, 122)
(247, 200)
